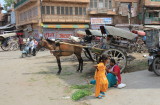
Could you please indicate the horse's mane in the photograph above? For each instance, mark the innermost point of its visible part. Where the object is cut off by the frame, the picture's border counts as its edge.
(50, 41)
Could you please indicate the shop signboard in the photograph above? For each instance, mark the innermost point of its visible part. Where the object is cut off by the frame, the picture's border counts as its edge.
(64, 33)
(49, 33)
(101, 20)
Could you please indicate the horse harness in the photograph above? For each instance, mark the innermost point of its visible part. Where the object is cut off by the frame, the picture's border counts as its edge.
(58, 50)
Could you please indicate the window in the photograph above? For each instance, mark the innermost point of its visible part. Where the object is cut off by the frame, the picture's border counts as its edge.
(36, 11)
(106, 3)
(110, 4)
(43, 9)
(100, 4)
(48, 10)
(91, 3)
(80, 10)
(70, 11)
(66, 10)
(95, 3)
(62, 10)
(52, 10)
(84, 11)
(58, 10)
(76, 10)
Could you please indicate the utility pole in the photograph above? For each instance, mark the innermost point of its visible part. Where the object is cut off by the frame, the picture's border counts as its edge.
(40, 18)
(129, 16)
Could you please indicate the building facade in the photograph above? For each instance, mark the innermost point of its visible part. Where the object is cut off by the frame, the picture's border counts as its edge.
(151, 9)
(113, 12)
(54, 18)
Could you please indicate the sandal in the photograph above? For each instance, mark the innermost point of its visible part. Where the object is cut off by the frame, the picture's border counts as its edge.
(102, 94)
(99, 97)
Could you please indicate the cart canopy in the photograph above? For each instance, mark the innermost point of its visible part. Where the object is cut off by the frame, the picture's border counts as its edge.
(94, 32)
(110, 30)
(7, 35)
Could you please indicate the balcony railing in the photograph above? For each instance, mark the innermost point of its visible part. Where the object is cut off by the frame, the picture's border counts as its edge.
(153, 20)
(69, 19)
(75, 1)
(102, 11)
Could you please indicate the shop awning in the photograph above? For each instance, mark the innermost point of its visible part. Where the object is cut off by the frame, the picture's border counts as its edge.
(64, 26)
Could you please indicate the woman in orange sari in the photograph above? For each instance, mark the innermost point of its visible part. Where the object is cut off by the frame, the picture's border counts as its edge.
(100, 77)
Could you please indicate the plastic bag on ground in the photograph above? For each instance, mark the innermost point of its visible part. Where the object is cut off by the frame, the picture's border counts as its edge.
(120, 86)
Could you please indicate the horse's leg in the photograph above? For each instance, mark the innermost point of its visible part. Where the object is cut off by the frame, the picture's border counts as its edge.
(59, 64)
(80, 62)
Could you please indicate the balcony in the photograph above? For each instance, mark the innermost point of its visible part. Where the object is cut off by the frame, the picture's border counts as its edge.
(153, 20)
(22, 3)
(73, 1)
(152, 3)
(27, 21)
(102, 11)
(65, 19)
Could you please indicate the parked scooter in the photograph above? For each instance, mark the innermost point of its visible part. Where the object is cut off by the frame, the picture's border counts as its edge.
(154, 61)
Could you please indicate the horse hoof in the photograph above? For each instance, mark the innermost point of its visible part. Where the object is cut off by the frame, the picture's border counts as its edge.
(58, 73)
(77, 71)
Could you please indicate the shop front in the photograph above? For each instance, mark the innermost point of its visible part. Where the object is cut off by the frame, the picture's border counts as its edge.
(62, 31)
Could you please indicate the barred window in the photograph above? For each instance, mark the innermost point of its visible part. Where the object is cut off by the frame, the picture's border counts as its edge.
(70, 11)
(48, 9)
(43, 9)
(106, 3)
(52, 10)
(80, 10)
(58, 10)
(84, 11)
(76, 10)
(66, 10)
(62, 10)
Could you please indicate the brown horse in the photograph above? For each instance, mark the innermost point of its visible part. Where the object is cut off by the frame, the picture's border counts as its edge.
(61, 49)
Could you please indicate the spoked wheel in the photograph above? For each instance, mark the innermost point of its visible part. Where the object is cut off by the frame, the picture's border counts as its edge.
(93, 55)
(118, 56)
(5, 48)
(14, 46)
(156, 66)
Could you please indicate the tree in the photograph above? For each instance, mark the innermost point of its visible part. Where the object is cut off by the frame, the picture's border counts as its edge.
(8, 3)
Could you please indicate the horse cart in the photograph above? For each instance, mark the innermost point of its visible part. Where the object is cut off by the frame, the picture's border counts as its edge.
(7, 42)
(115, 42)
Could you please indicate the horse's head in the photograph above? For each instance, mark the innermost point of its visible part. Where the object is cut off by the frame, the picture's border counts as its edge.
(41, 43)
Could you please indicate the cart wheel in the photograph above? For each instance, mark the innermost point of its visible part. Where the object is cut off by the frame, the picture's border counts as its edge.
(92, 54)
(156, 66)
(118, 56)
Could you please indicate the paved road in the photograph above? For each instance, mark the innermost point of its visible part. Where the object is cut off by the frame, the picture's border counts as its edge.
(32, 81)
(143, 88)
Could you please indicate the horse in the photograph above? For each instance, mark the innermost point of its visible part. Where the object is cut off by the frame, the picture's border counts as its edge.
(61, 49)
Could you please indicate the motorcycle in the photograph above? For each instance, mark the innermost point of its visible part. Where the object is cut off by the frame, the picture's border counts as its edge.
(27, 51)
(154, 61)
